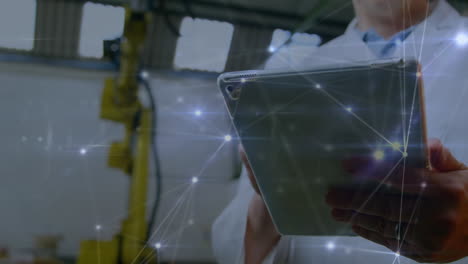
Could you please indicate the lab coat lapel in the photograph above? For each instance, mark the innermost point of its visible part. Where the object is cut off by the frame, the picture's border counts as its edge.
(432, 36)
(432, 43)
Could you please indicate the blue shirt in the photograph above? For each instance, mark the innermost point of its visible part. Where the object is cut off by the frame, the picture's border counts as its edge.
(381, 47)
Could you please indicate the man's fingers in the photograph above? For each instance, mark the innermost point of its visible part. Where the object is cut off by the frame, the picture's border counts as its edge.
(373, 223)
(390, 243)
(367, 169)
(388, 229)
(400, 247)
(387, 206)
(395, 174)
(442, 159)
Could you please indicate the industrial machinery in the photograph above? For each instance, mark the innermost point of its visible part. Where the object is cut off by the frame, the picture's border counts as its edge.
(120, 103)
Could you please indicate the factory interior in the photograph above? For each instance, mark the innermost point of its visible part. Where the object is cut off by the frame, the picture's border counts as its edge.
(116, 142)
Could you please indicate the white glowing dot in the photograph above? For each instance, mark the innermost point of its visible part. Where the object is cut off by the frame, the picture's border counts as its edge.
(158, 245)
(318, 86)
(194, 179)
(83, 151)
(227, 138)
(243, 80)
(461, 39)
(180, 99)
(198, 113)
(330, 245)
(405, 154)
(144, 75)
(396, 145)
(349, 109)
(397, 254)
(40, 139)
(379, 155)
(423, 185)
(328, 147)
(419, 74)
(271, 49)
(98, 227)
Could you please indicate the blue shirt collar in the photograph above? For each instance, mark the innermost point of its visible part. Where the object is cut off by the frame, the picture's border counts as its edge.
(381, 47)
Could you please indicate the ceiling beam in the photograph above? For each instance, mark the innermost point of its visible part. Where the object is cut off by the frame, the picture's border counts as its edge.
(327, 28)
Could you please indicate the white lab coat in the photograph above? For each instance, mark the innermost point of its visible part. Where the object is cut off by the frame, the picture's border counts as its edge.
(445, 72)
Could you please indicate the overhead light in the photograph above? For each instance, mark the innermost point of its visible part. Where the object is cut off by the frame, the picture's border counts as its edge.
(21, 35)
(194, 33)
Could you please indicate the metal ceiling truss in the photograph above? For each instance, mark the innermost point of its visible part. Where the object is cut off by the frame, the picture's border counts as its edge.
(327, 28)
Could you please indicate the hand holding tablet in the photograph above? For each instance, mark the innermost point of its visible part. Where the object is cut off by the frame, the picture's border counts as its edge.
(298, 127)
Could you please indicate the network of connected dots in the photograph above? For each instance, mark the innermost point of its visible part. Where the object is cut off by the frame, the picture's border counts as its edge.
(160, 238)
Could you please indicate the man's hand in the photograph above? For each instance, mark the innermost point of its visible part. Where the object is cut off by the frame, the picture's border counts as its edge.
(260, 235)
(418, 213)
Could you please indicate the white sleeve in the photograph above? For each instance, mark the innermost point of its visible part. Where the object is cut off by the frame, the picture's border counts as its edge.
(228, 230)
(280, 253)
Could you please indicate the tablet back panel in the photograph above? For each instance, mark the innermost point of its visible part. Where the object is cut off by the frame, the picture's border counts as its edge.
(297, 128)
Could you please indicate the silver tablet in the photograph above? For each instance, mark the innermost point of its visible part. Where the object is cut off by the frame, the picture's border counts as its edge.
(298, 127)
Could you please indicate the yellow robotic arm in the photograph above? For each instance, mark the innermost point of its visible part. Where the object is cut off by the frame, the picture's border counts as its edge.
(120, 104)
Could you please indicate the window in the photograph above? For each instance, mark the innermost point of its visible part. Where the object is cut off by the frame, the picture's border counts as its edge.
(204, 45)
(21, 14)
(99, 22)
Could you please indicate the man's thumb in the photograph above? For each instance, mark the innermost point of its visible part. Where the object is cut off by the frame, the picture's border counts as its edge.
(442, 159)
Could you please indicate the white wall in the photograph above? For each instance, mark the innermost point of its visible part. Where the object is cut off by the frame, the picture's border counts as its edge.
(47, 187)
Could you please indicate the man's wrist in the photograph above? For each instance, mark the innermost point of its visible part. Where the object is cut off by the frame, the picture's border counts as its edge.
(259, 220)
(260, 235)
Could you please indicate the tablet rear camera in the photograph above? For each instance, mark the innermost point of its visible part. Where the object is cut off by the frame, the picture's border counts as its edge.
(233, 92)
